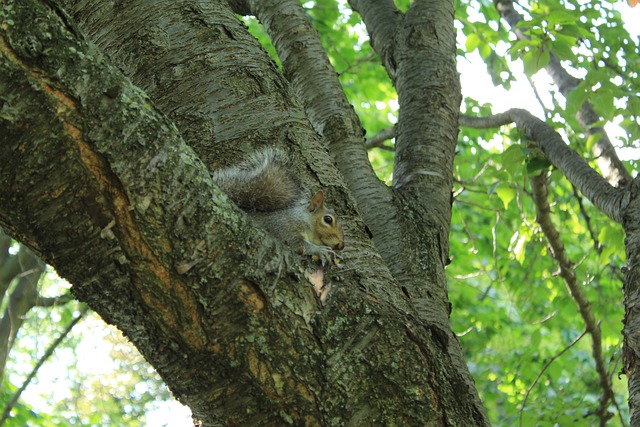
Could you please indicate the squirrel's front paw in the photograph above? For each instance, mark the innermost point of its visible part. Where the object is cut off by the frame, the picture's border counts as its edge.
(320, 253)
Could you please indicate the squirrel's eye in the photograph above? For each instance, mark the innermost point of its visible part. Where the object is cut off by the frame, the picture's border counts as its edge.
(328, 219)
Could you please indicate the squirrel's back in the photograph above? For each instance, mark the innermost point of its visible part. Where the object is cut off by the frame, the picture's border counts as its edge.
(260, 183)
(266, 189)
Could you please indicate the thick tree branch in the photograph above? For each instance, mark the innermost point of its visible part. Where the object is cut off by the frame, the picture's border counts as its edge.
(102, 185)
(382, 19)
(609, 200)
(180, 54)
(426, 133)
(608, 161)
(631, 288)
(543, 216)
(419, 47)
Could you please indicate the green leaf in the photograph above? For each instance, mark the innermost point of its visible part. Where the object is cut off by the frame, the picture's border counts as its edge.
(563, 47)
(518, 246)
(537, 164)
(485, 51)
(561, 18)
(575, 98)
(536, 338)
(544, 58)
(506, 194)
(529, 60)
(513, 159)
(603, 103)
(519, 46)
(611, 240)
(472, 43)
(534, 60)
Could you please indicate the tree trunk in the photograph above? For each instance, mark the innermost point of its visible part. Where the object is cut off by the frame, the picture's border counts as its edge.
(100, 183)
(631, 224)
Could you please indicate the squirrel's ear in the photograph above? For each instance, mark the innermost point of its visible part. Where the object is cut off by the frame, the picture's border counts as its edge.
(317, 201)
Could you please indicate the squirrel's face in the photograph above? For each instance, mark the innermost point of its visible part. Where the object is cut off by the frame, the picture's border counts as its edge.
(326, 229)
(330, 232)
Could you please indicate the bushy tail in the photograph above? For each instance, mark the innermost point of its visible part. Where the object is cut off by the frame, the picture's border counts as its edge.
(260, 183)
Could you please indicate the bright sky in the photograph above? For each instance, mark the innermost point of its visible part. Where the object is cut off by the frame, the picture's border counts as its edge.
(93, 352)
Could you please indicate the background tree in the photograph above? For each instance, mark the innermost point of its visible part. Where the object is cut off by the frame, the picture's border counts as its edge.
(214, 308)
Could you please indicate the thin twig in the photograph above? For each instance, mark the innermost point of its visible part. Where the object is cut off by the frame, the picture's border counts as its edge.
(34, 371)
(596, 244)
(544, 368)
(53, 301)
(615, 402)
(538, 97)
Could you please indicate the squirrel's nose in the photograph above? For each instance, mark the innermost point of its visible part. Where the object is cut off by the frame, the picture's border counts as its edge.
(338, 246)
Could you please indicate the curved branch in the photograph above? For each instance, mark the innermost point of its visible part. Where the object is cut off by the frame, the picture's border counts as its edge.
(378, 140)
(53, 301)
(543, 211)
(610, 164)
(611, 201)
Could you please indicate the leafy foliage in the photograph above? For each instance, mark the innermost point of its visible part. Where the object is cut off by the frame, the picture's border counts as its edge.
(512, 310)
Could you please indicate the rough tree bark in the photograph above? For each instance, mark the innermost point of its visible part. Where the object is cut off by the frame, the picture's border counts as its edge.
(98, 181)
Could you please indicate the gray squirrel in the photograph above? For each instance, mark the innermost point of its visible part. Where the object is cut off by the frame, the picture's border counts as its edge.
(265, 188)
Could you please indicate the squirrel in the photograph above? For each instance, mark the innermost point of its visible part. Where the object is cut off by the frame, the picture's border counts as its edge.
(265, 188)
